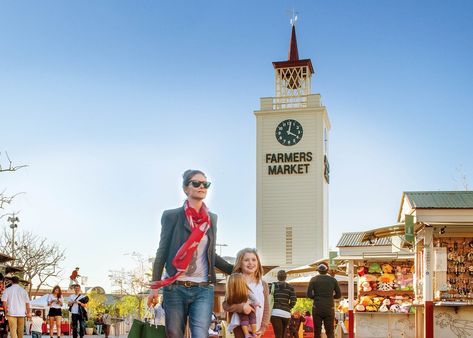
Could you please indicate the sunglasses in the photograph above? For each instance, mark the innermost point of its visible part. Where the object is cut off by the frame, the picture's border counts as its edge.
(197, 184)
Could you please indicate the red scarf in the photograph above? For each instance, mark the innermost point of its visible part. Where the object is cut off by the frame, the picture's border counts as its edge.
(199, 223)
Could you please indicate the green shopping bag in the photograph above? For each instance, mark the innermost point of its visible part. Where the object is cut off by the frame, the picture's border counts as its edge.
(153, 331)
(141, 329)
(136, 329)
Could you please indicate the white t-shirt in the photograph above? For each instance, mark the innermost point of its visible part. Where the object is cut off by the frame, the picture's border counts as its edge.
(16, 298)
(107, 319)
(198, 268)
(55, 300)
(37, 324)
(75, 307)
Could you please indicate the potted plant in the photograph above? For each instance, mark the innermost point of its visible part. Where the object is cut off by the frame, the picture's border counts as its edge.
(89, 327)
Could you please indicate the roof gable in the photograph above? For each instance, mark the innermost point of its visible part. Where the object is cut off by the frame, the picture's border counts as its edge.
(354, 239)
(440, 199)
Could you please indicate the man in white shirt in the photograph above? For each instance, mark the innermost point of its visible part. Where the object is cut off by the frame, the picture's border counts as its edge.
(16, 303)
(76, 304)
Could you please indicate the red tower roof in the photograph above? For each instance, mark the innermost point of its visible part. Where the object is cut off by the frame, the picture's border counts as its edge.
(293, 56)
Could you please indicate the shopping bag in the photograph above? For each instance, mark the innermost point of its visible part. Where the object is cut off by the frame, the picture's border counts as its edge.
(153, 331)
(136, 329)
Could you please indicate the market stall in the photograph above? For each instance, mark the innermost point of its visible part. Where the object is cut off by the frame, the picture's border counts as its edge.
(444, 261)
(382, 305)
(441, 224)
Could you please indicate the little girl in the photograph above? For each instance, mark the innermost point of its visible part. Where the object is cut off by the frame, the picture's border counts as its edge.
(239, 292)
(249, 266)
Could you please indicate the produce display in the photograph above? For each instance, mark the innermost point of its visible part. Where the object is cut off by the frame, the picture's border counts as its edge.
(385, 287)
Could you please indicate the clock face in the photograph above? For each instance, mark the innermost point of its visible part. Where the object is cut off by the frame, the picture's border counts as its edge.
(289, 132)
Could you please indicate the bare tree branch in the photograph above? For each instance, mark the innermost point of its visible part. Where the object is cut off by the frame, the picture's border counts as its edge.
(6, 200)
(10, 166)
(39, 259)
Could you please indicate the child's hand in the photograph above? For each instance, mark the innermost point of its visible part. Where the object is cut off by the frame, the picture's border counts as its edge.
(247, 308)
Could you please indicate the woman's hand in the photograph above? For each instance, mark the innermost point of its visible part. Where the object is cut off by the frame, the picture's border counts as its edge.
(153, 296)
(258, 334)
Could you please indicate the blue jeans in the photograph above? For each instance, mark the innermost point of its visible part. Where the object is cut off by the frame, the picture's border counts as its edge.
(36, 334)
(195, 302)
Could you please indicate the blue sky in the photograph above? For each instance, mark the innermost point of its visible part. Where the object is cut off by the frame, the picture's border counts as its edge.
(108, 102)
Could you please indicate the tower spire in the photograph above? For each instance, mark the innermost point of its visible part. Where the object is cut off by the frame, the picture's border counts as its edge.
(293, 54)
(293, 77)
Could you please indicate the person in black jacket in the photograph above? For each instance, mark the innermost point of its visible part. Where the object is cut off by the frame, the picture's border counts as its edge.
(284, 300)
(187, 252)
(323, 289)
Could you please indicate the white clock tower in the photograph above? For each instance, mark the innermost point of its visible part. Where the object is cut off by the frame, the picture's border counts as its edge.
(292, 170)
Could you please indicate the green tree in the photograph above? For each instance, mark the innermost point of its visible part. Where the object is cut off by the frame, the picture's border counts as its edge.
(96, 303)
(303, 305)
(133, 283)
(130, 305)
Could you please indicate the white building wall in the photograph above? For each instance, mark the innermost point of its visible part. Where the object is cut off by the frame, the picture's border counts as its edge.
(297, 200)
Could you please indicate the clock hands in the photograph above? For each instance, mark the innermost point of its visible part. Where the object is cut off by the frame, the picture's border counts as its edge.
(289, 129)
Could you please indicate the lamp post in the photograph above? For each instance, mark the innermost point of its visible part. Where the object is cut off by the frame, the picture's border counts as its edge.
(13, 225)
(220, 246)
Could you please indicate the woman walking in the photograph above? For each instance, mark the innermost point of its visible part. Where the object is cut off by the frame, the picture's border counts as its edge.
(187, 251)
(249, 264)
(55, 302)
(284, 300)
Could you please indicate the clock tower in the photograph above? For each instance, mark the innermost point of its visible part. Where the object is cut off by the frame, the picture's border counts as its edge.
(292, 168)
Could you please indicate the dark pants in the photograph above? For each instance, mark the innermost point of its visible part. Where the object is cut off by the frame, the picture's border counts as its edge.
(328, 319)
(78, 323)
(279, 326)
(106, 330)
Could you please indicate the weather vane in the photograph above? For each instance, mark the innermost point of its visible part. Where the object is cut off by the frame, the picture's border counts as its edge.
(293, 15)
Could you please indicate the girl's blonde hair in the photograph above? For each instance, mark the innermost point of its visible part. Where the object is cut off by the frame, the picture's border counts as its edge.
(239, 262)
(237, 290)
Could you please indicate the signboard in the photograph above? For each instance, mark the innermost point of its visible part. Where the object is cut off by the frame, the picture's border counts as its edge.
(331, 260)
(409, 228)
(440, 259)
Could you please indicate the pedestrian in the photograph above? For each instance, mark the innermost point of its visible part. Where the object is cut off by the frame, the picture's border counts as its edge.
(187, 251)
(159, 314)
(107, 323)
(248, 263)
(99, 324)
(77, 303)
(323, 289)
(55, 303)
(37, 325)
(309, 323)
(284, 300)
(16, 304)
(295, 324)
(73, 278)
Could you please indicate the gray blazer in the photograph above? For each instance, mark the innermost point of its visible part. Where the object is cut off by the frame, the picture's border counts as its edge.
(175, 230)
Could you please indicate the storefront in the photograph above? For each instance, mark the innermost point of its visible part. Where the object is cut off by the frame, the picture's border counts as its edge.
(382, 305)
(442, 227)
